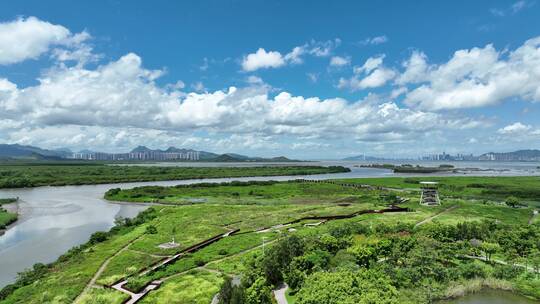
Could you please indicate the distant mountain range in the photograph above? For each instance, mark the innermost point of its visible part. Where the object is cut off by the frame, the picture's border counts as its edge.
(16, 151)
(209, 156)
(31, 152)
(363, 157)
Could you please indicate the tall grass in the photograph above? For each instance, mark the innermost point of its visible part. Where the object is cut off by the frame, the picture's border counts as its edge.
(463, 288)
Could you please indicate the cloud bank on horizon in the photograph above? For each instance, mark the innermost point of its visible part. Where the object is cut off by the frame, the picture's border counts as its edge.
(84, 99)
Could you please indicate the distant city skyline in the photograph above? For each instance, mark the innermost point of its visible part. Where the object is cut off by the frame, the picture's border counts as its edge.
(143, 153)
(310, 80)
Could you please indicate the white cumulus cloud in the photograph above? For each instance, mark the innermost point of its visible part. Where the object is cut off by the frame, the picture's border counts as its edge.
(370, 75)
(28, 38)
(262, 59)
(515, 128)
(122, 94)
(476, 77)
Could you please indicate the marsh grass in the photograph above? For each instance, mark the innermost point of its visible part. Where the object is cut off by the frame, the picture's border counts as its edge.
(103, 296)
(462, 288)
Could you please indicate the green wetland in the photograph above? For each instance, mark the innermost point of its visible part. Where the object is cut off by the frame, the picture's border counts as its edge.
(54, 219)
(483, 236)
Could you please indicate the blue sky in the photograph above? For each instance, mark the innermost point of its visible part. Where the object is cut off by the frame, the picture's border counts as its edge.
(311, 79)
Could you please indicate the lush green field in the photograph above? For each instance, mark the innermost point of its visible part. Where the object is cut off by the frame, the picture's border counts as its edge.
(103, 296)
(42, 174)
(191, 214)
(244, 192)
(126, 263)
(198, 287)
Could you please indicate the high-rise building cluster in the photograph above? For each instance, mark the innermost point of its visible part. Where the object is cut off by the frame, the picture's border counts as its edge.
(146, 155)
(448, 157)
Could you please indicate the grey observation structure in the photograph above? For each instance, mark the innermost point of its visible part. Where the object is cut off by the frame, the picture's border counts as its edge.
(429, 194)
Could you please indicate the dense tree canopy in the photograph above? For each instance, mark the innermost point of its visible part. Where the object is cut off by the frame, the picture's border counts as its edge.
(359, 287)
(352, 263)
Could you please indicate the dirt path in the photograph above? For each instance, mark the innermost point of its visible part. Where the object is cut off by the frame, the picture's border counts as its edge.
(436, 215)
(101, 269)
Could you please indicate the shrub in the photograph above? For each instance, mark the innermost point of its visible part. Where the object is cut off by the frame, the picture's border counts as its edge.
(98, 237)
(151, 229)
(200, 262)
(136, 284)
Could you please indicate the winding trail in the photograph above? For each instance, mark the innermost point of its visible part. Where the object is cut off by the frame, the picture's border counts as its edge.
(135, 297)
(92, 282)
(436, 215)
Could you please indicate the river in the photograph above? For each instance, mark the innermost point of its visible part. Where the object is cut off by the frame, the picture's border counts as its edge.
(54, 219)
